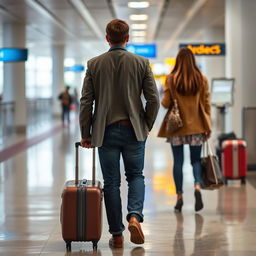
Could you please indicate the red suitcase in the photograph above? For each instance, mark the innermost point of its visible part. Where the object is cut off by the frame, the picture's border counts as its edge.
(81, 209)
(234, 164)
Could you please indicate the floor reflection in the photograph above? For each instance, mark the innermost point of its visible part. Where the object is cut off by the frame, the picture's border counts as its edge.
(232, 204)
(84, 253)
(137, 251)
(31, 184)
(206, 242)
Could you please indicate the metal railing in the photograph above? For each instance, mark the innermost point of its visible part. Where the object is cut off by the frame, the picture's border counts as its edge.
(37, 110)
(6, 116)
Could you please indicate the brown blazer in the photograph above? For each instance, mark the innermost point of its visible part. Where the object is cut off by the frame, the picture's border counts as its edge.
(114, 69)
(195, 110)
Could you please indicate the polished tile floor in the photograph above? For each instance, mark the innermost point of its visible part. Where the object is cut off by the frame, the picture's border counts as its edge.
(30, 196)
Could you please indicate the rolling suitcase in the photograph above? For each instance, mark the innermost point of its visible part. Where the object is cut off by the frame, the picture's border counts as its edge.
(221, 138)
(234, 164)
(81, 209)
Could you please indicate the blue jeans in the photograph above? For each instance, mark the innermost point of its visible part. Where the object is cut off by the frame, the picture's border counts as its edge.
(178, 155)
(121, 140)
(65, 113)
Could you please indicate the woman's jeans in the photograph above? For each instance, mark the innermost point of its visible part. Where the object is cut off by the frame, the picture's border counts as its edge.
(121, 140)
(178, 155)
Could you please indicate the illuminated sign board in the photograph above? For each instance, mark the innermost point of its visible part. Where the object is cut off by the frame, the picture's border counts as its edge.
(13, 54)
(206, 49)
(75, 68)
(145, 50)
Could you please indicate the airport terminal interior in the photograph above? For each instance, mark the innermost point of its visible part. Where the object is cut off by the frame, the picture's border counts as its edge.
(45, 46)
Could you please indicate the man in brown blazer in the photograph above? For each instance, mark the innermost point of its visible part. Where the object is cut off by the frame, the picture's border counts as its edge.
(118, 124)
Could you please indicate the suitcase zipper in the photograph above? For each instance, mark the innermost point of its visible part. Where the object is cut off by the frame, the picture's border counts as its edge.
(83, 213)
(79, 215)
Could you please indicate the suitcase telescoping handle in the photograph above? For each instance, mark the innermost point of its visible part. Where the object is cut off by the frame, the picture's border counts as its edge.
(77, 144)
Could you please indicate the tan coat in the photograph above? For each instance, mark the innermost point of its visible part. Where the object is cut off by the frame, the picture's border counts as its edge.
(195, 111)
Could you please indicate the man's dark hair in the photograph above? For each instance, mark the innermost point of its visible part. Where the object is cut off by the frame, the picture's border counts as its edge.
(117, 30)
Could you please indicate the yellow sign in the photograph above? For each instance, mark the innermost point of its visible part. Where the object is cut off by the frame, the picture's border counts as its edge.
(170, 61)
(205, 49)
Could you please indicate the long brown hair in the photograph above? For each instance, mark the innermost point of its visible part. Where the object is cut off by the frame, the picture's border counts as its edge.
(186, 76)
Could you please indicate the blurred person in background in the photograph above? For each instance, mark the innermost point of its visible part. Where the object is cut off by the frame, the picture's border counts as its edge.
(66, 101)
(76, 99)
(190, 89)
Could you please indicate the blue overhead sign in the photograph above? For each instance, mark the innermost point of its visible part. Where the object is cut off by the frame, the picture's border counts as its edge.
(75, 68)
(13, 54)
(145, 50)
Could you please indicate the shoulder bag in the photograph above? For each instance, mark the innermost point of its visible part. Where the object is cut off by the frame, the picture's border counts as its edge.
(173, 119)
(212, 177)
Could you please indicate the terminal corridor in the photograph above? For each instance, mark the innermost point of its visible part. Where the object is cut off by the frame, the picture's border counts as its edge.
(74, 70)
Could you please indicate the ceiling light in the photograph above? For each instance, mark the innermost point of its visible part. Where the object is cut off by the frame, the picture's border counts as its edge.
(139, 33)
(138, 5)
(139, 26)
(138, 17)
(138, 40)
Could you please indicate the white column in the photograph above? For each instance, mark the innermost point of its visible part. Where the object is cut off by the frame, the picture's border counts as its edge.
(57, 76)
(240, 59)
(14, 75)
(214, 66)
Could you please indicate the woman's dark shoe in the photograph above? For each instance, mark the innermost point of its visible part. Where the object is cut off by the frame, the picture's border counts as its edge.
(199, 202)
(178, 206)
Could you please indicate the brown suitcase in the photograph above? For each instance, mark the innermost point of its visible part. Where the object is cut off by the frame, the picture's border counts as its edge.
(81, 209)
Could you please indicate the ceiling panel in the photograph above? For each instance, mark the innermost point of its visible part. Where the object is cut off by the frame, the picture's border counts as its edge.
(68, 16)
(153, 12)
(58, 22)
(96, 4)
(174, 15)
(100, 12)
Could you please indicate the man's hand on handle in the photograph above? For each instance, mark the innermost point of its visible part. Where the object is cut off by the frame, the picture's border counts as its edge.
(86, 143)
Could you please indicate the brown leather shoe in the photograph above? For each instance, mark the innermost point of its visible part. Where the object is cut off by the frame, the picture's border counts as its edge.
(116, 242)
(137, 235)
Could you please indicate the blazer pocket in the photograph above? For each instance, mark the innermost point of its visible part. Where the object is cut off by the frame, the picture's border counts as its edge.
(143, 117)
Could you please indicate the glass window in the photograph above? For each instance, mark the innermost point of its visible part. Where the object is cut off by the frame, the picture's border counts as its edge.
(69, 77)
(39, 77)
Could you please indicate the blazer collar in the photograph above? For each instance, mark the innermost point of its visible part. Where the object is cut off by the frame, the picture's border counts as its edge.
(116, 48)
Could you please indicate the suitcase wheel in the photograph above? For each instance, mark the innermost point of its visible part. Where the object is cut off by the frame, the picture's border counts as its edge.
(95, 245)
(243, 181)
(68, 246)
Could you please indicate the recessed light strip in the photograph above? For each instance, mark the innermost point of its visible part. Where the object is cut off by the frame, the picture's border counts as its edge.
(139, 33)
(138, 17)
(138, 5)
(139, 26)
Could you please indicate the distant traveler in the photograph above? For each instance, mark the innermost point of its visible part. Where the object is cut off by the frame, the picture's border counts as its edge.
(66, 100)
(189, 87)
(76, 100)
(119, 125)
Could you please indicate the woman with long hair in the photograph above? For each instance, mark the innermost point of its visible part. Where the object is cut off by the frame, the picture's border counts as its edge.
(189, 88)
